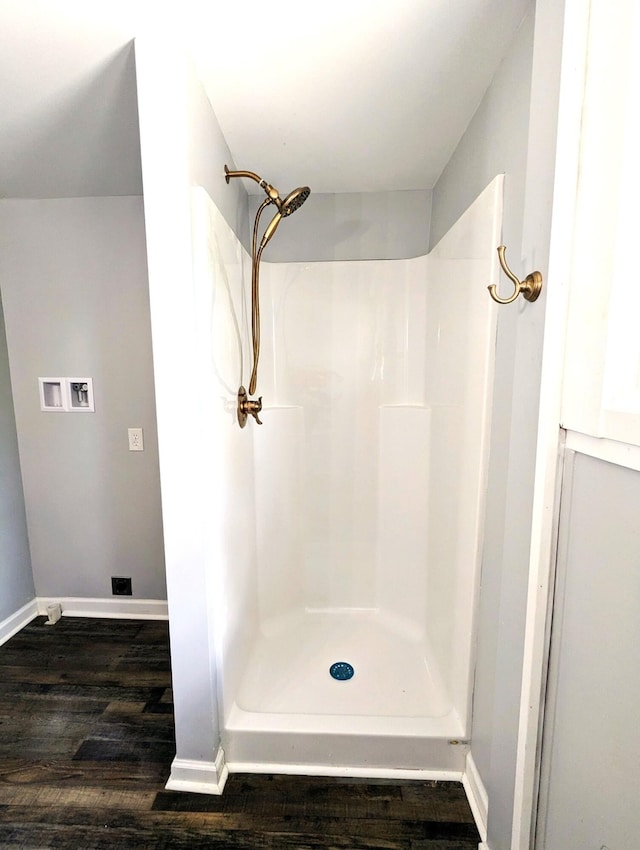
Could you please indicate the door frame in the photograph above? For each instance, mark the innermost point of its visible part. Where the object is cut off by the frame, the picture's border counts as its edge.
(550, 439)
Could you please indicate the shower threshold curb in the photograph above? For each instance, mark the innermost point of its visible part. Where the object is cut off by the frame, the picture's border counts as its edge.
(347, 772)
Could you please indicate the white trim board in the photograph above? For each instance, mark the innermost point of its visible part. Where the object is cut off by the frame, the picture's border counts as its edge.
(117, 608)
(199, 777)
(612, 451)
(342, 771)
(76, 606)
(476, 795)
(12, 624)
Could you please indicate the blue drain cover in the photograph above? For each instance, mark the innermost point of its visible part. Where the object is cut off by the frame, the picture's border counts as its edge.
(341, 671)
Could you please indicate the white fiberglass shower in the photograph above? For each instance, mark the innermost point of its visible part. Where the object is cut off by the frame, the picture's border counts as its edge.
(348, 526)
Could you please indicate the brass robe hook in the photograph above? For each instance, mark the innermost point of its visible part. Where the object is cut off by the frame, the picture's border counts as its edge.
(530, 287)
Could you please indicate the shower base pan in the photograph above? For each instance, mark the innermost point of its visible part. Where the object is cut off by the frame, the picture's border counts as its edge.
(392, 716)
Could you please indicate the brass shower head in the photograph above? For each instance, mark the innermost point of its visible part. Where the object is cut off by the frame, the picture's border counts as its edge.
(294, 200)
(290, 204)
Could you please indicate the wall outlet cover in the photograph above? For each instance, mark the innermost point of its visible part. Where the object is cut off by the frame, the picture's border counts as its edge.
(121, 586)
(136, 440)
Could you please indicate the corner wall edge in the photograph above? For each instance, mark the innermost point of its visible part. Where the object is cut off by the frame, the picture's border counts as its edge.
(199, 777)
(12, 624)
(477, 797)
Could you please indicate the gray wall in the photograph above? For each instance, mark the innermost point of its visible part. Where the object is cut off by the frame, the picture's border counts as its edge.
(16, 579)
(497, 141)
(74, 286)
(514, 131)
(83, 141)
(591, 772)
(350, 226)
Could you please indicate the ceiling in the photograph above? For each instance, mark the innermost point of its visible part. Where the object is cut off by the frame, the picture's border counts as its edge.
(342, 95)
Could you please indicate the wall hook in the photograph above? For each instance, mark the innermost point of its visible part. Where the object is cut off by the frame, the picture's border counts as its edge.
(530, 287)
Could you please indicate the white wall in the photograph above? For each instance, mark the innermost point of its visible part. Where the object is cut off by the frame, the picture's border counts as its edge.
(16, 578)
(222, 299)
(74, 287)
(351, 226)
(182, 147)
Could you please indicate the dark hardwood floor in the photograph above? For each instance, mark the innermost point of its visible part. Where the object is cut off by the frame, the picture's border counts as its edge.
(86, 743)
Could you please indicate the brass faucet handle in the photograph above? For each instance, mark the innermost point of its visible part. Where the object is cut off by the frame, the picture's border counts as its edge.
(248, 407)
(253, 408)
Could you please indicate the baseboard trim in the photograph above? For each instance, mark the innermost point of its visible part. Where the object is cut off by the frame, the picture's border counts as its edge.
(199, 777)
(477, 796)
(346, 772)
(18, 620)
(117, 608)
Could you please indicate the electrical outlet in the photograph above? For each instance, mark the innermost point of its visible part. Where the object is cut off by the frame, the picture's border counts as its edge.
(121, 586)
(136, 440)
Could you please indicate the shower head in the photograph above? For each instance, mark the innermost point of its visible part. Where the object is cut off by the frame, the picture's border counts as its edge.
(290, 204)
(294, 200)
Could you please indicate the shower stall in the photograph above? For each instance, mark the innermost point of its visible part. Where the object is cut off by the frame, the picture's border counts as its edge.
(347, 528)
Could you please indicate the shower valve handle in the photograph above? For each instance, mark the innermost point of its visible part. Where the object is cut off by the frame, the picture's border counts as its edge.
(248, 407)
(253, 408)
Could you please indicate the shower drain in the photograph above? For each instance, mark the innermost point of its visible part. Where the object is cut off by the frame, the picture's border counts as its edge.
(341, 671)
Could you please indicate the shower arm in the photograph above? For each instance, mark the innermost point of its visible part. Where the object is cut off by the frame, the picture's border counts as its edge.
(272, 193)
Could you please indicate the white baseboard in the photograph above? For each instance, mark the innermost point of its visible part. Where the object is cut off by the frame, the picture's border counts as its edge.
(117, 608)
(18, 620)
(199, 777)
(76, 606)
(344, 772)
(477, 796)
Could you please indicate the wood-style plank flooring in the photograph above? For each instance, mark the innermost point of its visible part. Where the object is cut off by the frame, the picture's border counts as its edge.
(86, 744)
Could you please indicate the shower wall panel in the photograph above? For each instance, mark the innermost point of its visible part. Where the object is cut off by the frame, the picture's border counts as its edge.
(388, 365)
(280, 522)
(459, 376)
(335, 345)
(403, 510)
(348, 524)
(220, 270)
